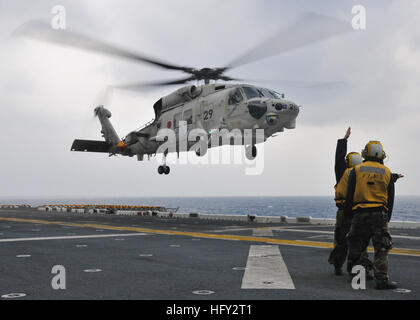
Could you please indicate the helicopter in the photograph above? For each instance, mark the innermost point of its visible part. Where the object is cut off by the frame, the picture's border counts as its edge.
(207, 106)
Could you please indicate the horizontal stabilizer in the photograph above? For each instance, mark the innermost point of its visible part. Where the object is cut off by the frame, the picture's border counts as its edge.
(91, 146)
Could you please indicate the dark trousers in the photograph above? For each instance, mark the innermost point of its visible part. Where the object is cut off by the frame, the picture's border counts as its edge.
(366, 226)
(339, 253)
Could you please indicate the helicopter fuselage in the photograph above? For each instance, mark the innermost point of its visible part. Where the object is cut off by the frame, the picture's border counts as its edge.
(215, 107)
(210, 108)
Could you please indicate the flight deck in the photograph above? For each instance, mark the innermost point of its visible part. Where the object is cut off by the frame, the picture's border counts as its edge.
(109, 256)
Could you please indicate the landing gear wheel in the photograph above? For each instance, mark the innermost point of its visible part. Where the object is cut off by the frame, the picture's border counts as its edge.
(167, 170)
(199, 153)
(251, 152)
(163, 170)
(254, 151)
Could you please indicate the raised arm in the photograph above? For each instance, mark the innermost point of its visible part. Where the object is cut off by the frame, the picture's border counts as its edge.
(391, 192)
(340, 155)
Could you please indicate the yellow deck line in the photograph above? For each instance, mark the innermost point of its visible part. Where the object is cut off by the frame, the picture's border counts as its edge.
(301, 243)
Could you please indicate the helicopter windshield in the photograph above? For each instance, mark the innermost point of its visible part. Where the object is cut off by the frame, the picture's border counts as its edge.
(269, 94)
(251, 92)
(235, 96)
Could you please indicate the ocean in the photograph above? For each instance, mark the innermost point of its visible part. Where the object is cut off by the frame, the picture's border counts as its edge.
(406, 208)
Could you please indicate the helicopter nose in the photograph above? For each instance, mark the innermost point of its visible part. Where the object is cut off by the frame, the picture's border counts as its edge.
(293, 108)
(280, 106)
(289, 107)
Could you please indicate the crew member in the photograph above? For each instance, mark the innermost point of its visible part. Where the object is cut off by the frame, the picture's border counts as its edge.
(343, 165)
(370, 200)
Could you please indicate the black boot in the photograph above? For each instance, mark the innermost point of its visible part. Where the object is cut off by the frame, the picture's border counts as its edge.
(384, 284)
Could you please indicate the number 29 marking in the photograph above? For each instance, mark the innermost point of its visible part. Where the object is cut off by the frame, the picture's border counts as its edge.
(208, 114)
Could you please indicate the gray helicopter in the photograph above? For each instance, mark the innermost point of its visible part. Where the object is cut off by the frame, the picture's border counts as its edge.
(210, 106)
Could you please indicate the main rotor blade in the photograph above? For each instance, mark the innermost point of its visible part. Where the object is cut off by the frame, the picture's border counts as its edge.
(42, 31)
(304, 84)
(140, 86)
(310, 28)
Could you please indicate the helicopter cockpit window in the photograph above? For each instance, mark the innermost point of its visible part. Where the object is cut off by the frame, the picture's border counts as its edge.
(177, 117)
(276, 95)
(251, 92)
(188, 116)
(267, 93)
(235, 96)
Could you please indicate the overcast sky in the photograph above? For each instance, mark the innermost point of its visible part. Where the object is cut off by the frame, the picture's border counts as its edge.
(47, 94)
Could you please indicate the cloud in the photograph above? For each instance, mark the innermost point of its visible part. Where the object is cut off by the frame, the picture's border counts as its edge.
(47, 95)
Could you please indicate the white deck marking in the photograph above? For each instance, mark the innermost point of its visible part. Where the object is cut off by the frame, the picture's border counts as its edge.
(286, 228)
(74, 237)
(321, 236)
(293, 229)
(332, 233)
(262, 232)
(203, 292)
(92, 270)
(13, 295)
(265, 269)
(404, 237)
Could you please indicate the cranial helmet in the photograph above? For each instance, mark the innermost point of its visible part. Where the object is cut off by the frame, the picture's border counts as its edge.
(374, 149)
(353, 159)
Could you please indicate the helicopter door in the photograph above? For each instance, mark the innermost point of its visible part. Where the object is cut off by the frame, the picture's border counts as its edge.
(177, 118)
(234, 99)
(188, 118)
